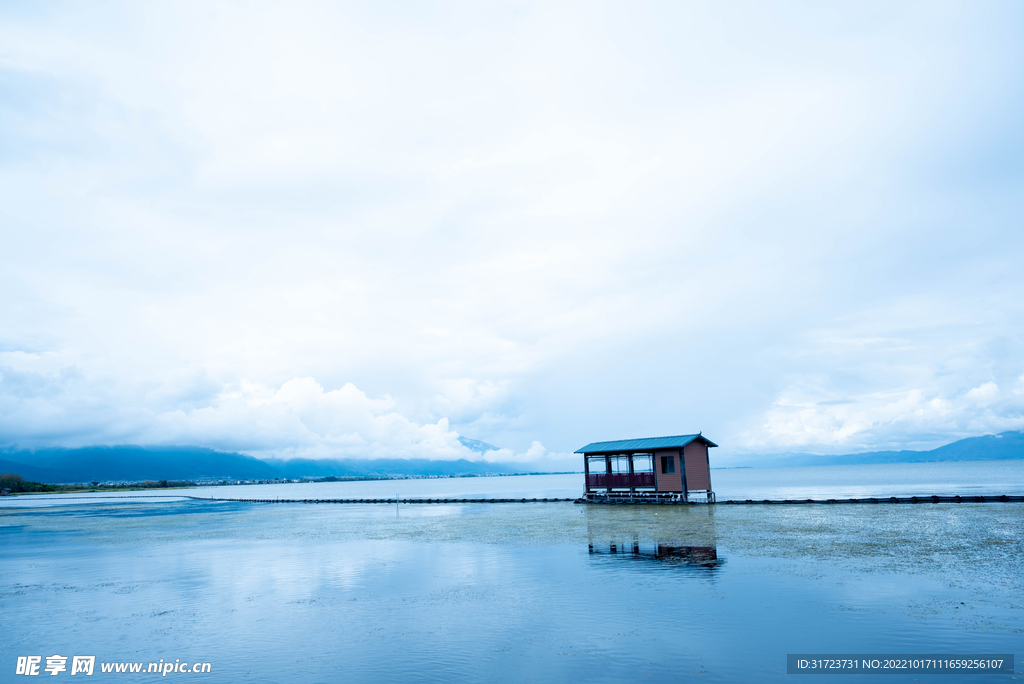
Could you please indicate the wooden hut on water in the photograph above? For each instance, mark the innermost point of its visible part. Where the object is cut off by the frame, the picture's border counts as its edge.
(663, 467)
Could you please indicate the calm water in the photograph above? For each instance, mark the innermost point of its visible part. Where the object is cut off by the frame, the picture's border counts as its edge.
(858, 481)
(512, 592)
(814, 482)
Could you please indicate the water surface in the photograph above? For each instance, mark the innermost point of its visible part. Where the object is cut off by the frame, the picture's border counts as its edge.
(506, 592)
(808, 482)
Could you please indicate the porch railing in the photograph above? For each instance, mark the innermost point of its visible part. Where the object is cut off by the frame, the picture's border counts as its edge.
(620, 480)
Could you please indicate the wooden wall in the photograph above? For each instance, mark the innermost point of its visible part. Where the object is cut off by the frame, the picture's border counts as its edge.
(698, 472)
(670, 482)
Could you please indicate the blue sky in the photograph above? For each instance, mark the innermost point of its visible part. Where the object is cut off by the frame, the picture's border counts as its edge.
(341, 229)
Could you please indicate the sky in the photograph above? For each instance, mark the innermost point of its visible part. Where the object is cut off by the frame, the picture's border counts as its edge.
(359, 230)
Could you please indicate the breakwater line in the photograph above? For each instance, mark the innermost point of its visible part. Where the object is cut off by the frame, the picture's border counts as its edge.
(100, 496)
(986, 498)
(386, 501)
(601, 500)
(973, 498)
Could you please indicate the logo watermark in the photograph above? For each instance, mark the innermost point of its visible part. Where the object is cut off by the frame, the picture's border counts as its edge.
(32, 666)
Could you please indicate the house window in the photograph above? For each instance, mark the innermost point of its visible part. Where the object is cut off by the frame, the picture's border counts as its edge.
(620, 464)
(668, 464)
(643, 463)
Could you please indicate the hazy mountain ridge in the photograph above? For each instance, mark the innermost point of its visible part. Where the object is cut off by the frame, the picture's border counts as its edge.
(1004, 446)
(44, 475)
(302, 467)
(477, 445)
(137, 463)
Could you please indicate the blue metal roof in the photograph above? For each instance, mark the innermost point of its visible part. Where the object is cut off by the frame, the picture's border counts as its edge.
(643, 444)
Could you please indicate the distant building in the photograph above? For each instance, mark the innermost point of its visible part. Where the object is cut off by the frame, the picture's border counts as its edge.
(5, 492)
(650, 466)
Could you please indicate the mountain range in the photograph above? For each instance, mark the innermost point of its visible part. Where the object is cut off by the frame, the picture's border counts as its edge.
(137, 463)
(1004, 446)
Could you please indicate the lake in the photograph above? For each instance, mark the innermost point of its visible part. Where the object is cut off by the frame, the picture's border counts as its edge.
(518, 592)
(807, 482)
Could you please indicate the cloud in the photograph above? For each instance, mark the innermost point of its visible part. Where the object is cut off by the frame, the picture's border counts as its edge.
(911, 419)
(983, 395)
(44, 403)
(900, 388)
(537, 222)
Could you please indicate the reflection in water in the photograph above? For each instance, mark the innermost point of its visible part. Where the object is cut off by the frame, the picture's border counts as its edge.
(672, 536)
(703, 559)
(505, 592)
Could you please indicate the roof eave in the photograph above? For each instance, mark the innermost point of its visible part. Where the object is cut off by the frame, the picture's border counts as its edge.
(620, 450)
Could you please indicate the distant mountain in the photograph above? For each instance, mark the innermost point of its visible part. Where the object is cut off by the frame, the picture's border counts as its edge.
(137, 463)
(379, 467)
(477, 445)
(1004, 446)
(45, 475)
(134, 463)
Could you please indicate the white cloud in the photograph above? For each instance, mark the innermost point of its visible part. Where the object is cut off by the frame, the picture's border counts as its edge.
(984, 394)
(43, 403)
(911, 419)
(535, 221)
(880, 386)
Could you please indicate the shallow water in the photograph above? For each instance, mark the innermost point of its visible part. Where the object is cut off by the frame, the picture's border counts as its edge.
(882, 480)
(810, 482)
(506, 592)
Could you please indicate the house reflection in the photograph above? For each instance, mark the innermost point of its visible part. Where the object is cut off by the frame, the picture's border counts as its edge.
(700, 559)
(681, 537)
